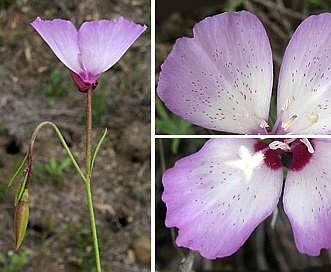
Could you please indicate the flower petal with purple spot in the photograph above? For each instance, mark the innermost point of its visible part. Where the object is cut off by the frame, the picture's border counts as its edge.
(96, 47)
(61, 36)
(211, 201)
(305, 77)
(307, 199)
(221, 78)
(102, 43)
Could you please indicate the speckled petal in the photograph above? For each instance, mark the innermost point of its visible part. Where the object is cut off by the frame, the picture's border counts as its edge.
(222, 78)
(61, 36)
(305, 76)
(211, 204)
(102, 43)
(307, 201)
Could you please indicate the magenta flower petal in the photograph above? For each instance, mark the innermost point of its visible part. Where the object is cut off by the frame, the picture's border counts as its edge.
(61, 36)
(214, 202)
(307, 200)
(222, 78)
(102, 43)
(92, 50)
(305, 76)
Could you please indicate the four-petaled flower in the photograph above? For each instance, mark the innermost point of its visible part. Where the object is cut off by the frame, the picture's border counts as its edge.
(221, 79)
(91, 50)
(217, 197)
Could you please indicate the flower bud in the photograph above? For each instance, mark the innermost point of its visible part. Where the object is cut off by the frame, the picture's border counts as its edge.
(21, 219)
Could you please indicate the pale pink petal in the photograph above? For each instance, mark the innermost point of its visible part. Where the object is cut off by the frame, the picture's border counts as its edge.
(222, 78)
(305, 77)
(211, 203)
(61, 36)
(102, 43)
(307, 200)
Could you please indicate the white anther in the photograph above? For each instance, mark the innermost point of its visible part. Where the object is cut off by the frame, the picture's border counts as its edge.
(286, 125)
(263, 123)
(313, 118)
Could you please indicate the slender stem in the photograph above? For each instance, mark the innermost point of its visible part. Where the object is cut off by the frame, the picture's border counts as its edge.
(88, 178)
(63, 142)
(93, 225)
(88, 133)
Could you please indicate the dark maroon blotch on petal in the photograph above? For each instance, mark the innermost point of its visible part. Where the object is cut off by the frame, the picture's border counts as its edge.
(81, 85)
(272, 158)
(301, 155)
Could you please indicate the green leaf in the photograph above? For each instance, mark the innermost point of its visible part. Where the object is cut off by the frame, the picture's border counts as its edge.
(56, 77)
(21, 219)
(52, 163)
(65, 163)
(171, 124)
(97, 150)
(18, 171)
(161, 110)
(175, 145)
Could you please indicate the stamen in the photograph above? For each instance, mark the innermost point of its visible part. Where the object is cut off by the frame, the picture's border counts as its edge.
(282, 145)
(288, 141)
(246, 163)
(286, 125)
(286, 105)
(313, 118)
(276, 127)
(263, 123)
(308, 144)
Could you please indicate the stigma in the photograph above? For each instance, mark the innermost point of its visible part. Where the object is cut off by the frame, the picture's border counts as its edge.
(247, 162)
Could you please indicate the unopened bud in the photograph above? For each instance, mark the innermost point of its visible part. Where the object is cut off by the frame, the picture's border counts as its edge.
(21, 219)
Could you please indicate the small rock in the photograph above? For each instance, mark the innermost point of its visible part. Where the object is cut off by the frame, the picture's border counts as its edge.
(142, 249)
(130, 257)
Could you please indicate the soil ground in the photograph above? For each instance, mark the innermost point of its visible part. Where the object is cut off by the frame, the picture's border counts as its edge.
(36, 87)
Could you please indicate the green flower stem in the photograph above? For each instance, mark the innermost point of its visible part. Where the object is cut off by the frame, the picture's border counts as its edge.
(88, 178)
(88, 134)
(63, 142)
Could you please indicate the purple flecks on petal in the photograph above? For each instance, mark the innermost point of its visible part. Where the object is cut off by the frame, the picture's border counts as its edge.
(307, 201)
(220, 79)
(305, 76)
(102, 43)
(94, 48)
(210, 204)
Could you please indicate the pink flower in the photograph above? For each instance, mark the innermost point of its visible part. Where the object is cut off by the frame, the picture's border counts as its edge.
(91, 50)
(219, 195)
(222, 78)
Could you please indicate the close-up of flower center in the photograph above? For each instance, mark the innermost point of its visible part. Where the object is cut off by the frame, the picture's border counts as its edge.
(291, 153)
